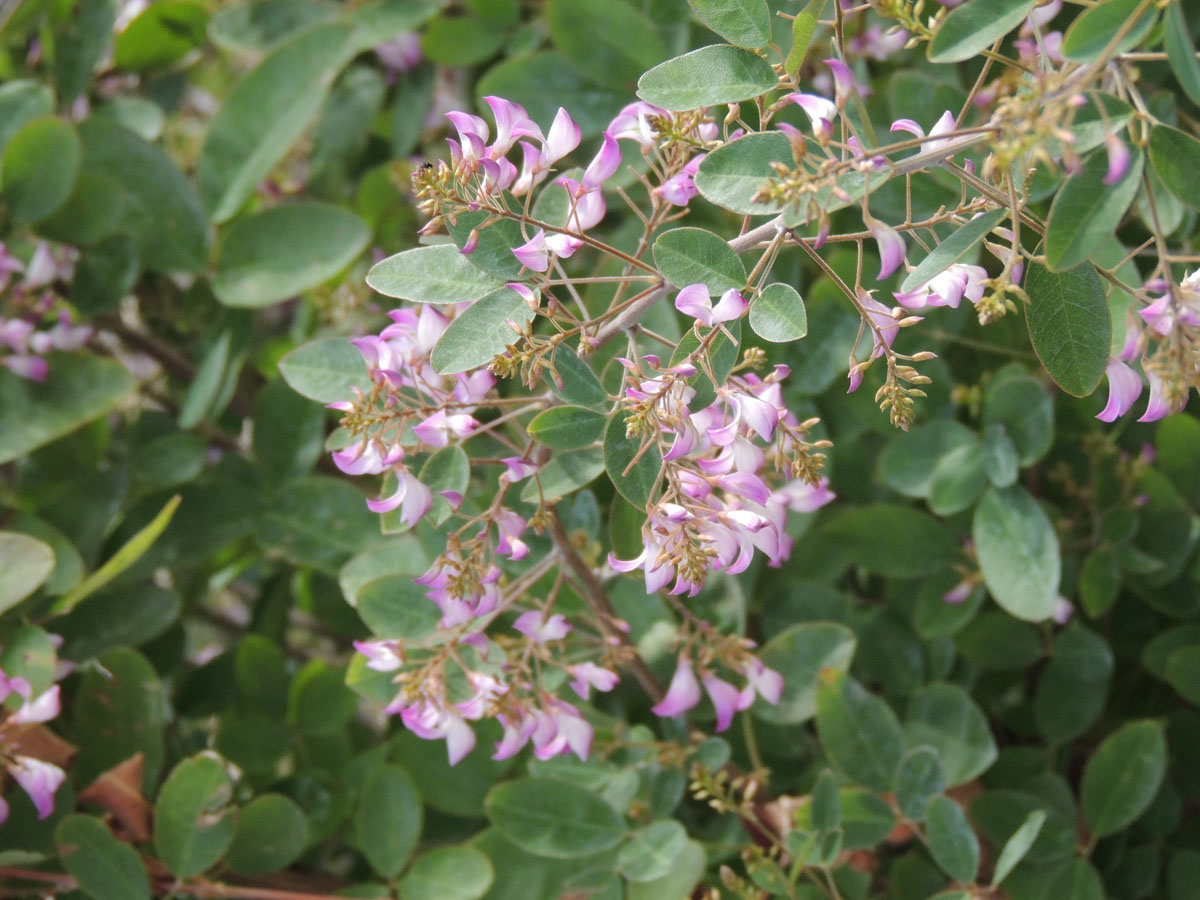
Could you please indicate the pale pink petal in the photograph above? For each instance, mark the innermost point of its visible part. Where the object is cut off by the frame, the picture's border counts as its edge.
(683, 693)
(1124, 387)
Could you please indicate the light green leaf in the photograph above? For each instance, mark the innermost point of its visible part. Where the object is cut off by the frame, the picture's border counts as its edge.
(395, 556)
(1018, 845)
(461, 40)
(326, 370)
(954, 248)
(958, 479)
(567, 427)
(1122, 776)
(77, 389)
(858, 730)
(394, 607)
(1069, 325)
(28, 562)
(632, 466)
(564, 474)
(684, 875)
(388, 821)
(734, 173)
(285, 251)
(131, 551)
(448, 873)
(482, 332)
(1099, 581)
(1086, 212)
(265, 114)
(800, 654)
(692, 255)
(437, 274)
(39, 168)
(1181, 51)
(161, 34)
(952, 842)
(548, 817)
(1000, 459)
(610, 43)
(574, 381)
(91, 213)
(745, 23)
(651, 853)
(919, 777)
(778, 314)
(908, 461)
(1096, 26)
(1020, 403)
(21, 101)
(271, 833)
(709, 76)
(803, 27)
(259, 25)
(319, 703)
(106, 868)
(944, 717)
(193, 825)
(1175, 156)
(1018, 553)
(975, 26)
(825, 809)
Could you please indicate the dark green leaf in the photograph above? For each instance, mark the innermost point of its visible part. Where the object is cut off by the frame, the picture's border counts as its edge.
(574, 380)
(908, 461)
(120, 616)
(952, 842)
(271, 834)
(523, 80)
(746, 23)
(610, 43)
(1023, 407)
(1182, 672)
(633, 470)
(1175, 157)
(106, 868)
(39, 168)
(1077, 880)
(81, 46)
(258, 25)
(1018, 553)
(1122, 776)
(437, 274)
(448, 469)
(564, 474)
(722, 356)
(692, 255)
(1086, 211)
(388, 820)
(995, 640)
(896, 541)
(461, 40)
(1073, 687)
(651, 853)
(448, 873)
(319, 522)
(161, 34)
(106, 273)
(548, 817)
(193, 825)
(707, 77)
(825, 809)
(22, 101)
(919, 777)
(1069, 325)
(567, 427)
(778, 315)
(482, 332)
(975, 26)
(1092, 32)
(954, 248)
(1181, 51)
(800, 654)
(859, 732)
(319, 703)
(944, 717)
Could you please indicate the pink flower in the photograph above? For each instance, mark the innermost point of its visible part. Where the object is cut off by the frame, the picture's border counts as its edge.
(683, 693)
(944, 125)
(1157, 407)
(680, 188)
(562, 138)
(512, 122)
(843, 80)
(602, 167)
(821, 113)
(415, 498)
(517, 469)
(438, 427)
(1118, 159)
(382, 656)
(533, 254)
(725, 698)
(892, 249)
(588, 675)
(694, 301)
(40, 780)
(537, 628)
(767, 683)
(947, 288)
(1124, 387)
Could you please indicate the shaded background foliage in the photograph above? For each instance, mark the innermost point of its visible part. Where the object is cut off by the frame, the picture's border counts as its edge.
(169, 511)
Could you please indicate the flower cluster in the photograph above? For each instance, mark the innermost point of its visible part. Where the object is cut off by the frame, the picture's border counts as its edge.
(38, 778)
(30, 327)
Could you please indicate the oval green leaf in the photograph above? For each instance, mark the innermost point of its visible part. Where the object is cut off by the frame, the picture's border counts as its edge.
(611, 43)
(734, 173)
(1022, 405)
(858, 730)
(437, 274)
(1181, 51)
(567, 427)
(193, 825)
(558, 819)
(635, 480)
(39, 168)
(975, 26)
(28, 562)
(800, 654)
(481, 333)
(896, 541)
(745, 23)
(707, 77)
(778, 314)
(952, 842)
(448, 873)
(1175, 157)
(271, 833)
(388, 821)
(1018, 553)
(1069, 325)
(692, 255)
(285, 251)
(944, 717)
(919, 778)
(651, 853)
(564, 474)
(1092, 32)
(22, 101)
(160, 35)
(1086, 212)
(1018, 845)
(326, 370)
(106, 868)
(1122, 776)
(953, 248)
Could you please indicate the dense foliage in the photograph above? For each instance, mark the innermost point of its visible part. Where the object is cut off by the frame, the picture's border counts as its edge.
(498, 449)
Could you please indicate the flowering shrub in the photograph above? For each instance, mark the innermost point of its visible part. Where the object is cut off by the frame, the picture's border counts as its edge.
(484, 450)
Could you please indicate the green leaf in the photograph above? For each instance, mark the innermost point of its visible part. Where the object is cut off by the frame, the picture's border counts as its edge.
(954, 248)
(131, 551)
(745, 23)
(394, 607)
(933, 617)
(106, 868)
(734, 173)
(68, 564)
(1077, 880)
(161, 34)
(388, 821)
(919, 777)
(1074, 686)
(395, 556)
(92, 213)
(574, 380)
(825, 809)
(995, 640)
(632, 470)
(326, 370)
(1069, 325)
(39, 168)
(1096, 26)
(800, 654)
(999, 814)
(896, 541)
(1018, 553)
(319, 522)
(448, 873)
(564, 474)
(803, 27)
(1122, 776)
(859, 732)
(259, 25)
(271, 834)
(523, 80)
(944, 717)
(22, 101)
(319, 703)
(1018, 845)
(651, 853)
(952, 843)
(1175, 157)
(1181, 51)
(778, 314)
(289, 432)
(193, 825)
(28, 562)
(684, 875)
(1178, 444)
(1099, 581)
(610, 43)
(448, 469)
(692, 255)
(438, 274)
(1020, 403)
(548, 817)
(709, 76)
(461, 40)
(159, 207)
(1000, 459)
(482, 332)
(120, 616)
(1086, 212)
(285, 251)
(1182, 672)
(975, 26)
(567, 427)
(77, 389)
(722, 356)
(958, 479)
(908, 461)
(82, 45)
(265, 114)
